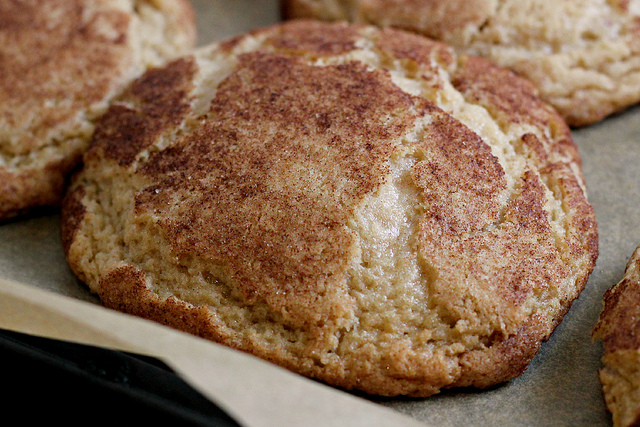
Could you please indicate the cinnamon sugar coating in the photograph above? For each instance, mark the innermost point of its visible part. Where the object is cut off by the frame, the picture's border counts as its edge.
(618, 328)
(583, 56)
(61, 62)
(380, 218)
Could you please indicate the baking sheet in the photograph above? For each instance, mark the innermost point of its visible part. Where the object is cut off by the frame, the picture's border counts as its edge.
(560, 387)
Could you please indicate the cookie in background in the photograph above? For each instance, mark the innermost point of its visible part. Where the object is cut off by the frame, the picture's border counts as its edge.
(62, 61)
(583, 56)
(619, 330)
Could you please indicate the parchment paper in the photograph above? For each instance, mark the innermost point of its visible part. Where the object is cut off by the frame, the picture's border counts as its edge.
(39, 295)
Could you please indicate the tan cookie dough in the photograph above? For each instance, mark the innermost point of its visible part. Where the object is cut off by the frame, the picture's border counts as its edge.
(363, 207)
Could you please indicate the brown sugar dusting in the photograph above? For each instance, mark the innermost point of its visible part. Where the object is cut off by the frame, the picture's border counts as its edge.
(620, 318)
(163, 95)
(124, 289)
(72, 214)
(52, 51)
(62, 62)
(502, 89)
(312, 37)
(287, 152)
(321, 202)
(426, 52)
(470, 240)
(460, 165)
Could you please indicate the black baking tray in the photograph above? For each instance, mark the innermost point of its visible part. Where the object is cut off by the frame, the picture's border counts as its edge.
(51, 380)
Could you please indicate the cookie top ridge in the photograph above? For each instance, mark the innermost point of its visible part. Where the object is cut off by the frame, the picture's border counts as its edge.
(583, 56)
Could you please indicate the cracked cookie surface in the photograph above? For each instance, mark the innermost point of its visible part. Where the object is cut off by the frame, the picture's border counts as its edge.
(360, 206)
(583, 56)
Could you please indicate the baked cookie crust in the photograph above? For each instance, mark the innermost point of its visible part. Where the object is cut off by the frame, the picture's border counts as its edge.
(618, 329)
(361, 206)
(583, 56)
(62, 61)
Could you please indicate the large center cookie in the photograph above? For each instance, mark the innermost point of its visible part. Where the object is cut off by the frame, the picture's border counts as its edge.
(360, 206)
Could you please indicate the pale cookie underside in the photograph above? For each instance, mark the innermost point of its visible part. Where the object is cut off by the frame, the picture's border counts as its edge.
(583, 56)
(359, 206)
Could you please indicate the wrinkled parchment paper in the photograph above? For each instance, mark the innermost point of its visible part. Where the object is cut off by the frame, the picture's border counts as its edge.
(39, 295)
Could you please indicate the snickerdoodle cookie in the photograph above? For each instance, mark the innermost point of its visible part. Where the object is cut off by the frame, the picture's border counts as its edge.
(583, 55)
(619, 329)
(361, 206)
(61, 61)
